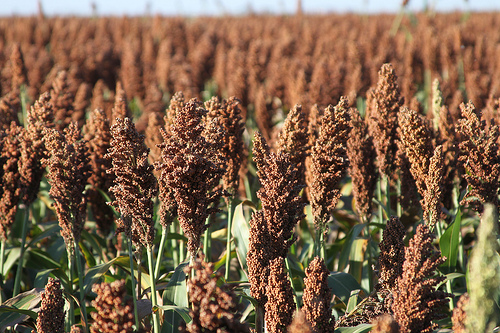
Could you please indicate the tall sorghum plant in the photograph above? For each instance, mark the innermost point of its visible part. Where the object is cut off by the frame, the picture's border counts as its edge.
(68, 171)
(328, 166)
(134, 190)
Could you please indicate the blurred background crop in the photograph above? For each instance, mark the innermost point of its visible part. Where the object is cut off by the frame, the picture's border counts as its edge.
(229, 7)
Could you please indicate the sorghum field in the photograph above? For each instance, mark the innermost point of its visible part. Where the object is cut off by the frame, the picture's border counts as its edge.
(304, 173)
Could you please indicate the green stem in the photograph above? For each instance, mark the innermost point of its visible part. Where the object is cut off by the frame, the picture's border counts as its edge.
(290, 278)
(182, 254)
(17, 282)
(132, 277)
(174, 247)
(379, 198)
(154, 302)
(248, 190)
(229, 236)
(388, 195)
(323, 245)
(207, 246)
(399, 209)
(79, 267)
(2, 259)
(71, 314)
(164, 233)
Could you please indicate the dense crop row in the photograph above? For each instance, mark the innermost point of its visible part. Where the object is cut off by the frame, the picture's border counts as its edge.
(343, 186)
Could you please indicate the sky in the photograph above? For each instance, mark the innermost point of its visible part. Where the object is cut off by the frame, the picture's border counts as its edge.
(232, 7)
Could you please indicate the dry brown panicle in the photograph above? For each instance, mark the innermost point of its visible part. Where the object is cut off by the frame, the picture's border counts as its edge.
(177, 102)
(280, 305)
(392, 254)
(114, 311)
(299, 324)
(98, 100)
(271, 228)
(51, 315)
(68, 171)
(154, 137)
(81, 103)
(9, 108)
(433, 196)
(233, 150)
(33, 151)
(382, 121)
(329, 161)
(317, 297)
(98, 138)
(361, 154)
(191, 168)
(76, 329)
(426, 163)
(480, 158)
(135, 185)
(62, 101)
(459, 316)
(416, 302)
(213, 308)
(293, 139)
(10, 179)
(18, 71)
(385, 324)
(120, 108)
(415, 135)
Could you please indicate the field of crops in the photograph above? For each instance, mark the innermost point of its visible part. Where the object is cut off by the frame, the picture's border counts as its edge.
(326, 173)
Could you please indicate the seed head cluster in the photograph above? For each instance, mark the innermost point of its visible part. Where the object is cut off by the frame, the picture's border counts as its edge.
(135, 185)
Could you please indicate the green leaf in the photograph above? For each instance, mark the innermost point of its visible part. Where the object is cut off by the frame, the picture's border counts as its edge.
(362, 328)
(342, 284)
(449, 243)
(45, 234)
(357, 257)
(89, 258)
(19, 308)
(12, 258)
(182, 311)
(175, 295)
(39, 259)
(349, 240)
(353, 301)
(96, 272)
(176, 290)
(241, 232)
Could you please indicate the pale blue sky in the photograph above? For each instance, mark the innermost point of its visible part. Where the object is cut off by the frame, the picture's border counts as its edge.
(217, 7)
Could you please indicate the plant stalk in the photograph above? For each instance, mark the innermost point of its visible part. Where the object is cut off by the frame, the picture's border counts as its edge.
(207, 241)
(71, 312)
(79, 267)
(25, 228)
(154, 302)
(132, 276)
(164, 232)
(388, 196)
(379, 198)
(174, 248)
(2, 259)
(229, 236)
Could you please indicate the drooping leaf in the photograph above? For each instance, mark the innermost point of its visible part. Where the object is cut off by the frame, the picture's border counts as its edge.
(342, 284)
(96, 272)
(18, 309)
